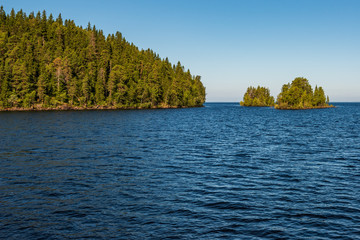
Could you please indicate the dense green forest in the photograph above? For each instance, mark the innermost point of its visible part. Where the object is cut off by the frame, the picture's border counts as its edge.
(257, 97)
(299, 95)
(48, 63)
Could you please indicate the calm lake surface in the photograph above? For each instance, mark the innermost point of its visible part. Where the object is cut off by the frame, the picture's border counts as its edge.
(222, 171)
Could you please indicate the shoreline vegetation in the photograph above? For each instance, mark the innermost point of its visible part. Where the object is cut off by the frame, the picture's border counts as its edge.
(257, 97)
(303, 108)
(48, 63)
(82, 108)
(297, 95)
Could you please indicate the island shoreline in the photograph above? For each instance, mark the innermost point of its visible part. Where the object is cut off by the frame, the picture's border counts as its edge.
(309, 108)
(94, 108)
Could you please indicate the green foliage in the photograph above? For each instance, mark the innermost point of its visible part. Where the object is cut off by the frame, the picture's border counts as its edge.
(257, 97)
(47, 62)
(299, 95)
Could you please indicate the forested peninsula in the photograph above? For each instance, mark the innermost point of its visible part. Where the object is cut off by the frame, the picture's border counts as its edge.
(48, 63)
(293, 96)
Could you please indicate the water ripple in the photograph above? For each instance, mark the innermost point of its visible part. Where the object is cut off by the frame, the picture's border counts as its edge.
(219, 172)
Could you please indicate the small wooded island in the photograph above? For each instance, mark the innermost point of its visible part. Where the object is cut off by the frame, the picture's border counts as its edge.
(258, 97)
(295, 95)
(48, 63)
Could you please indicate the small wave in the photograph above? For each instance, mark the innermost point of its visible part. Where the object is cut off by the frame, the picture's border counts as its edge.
(227, 206)
(69, 213)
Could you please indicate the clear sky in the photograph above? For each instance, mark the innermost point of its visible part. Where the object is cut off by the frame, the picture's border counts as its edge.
(233, 44)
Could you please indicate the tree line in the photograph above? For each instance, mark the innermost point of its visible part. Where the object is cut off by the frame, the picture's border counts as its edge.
(295, 95)
(257, 97)
(47, 62)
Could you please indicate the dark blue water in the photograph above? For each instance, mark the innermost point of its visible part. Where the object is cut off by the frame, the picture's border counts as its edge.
(219, 172)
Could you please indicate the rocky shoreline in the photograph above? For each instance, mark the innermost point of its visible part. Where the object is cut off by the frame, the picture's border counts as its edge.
(78, 108)
(293, 108)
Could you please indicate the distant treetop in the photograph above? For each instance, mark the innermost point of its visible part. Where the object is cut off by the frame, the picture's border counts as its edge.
(299, 95)
(295, 95)
(257, 97)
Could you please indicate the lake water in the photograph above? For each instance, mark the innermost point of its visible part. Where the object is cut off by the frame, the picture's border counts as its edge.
(218, 172)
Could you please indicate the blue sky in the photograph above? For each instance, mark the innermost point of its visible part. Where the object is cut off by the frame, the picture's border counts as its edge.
(235, 44)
